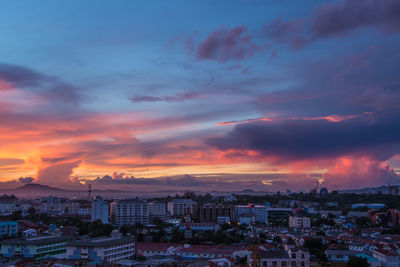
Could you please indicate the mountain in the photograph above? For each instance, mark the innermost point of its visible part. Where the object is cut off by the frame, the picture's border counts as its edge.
(35, 190)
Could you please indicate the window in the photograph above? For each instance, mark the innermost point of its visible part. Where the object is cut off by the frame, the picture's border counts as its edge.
(302, 255)
(293, 255)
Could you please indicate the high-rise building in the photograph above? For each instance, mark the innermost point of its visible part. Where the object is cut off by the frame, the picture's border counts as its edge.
(181, 207)
(100, 210)
(8, 205)
(260, 212)
(129, 212)
(210, 212)
(158, 210)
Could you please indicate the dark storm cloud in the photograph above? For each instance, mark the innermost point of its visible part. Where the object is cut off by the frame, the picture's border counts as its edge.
(307, 139)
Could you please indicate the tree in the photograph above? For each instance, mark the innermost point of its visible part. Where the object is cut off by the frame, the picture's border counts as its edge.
(362, 221)
(357, 262)
(31, 211)
(277, 240)
(125, 229)
(177, 236)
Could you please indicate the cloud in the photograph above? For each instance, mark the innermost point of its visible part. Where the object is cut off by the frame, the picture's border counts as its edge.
(342, 17)
(310, 139)
(120, 178)
(175, 98)
(286, 31)
(359, 172)
(56, 174)
(15, 76)
(227, 44)
(26, 180)
(10, 162)
(336, 19)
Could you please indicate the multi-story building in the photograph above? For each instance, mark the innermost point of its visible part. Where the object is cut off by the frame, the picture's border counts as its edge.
(129, 212)
(181, 207)
(394, 217)
(387, 258)
(296, 257)
(260, 212)
(299, 222)
(8, 228)
(8, 204)
(158, 210)
(52, 205)
(104, 249)
(210, 212)
(36, 247)
(100, 210)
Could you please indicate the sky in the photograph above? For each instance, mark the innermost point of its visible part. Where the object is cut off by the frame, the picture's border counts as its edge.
(200, 95)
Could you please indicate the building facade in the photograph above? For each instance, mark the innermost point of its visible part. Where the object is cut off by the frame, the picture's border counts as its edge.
(129, 212)
(210, 212)
(36, 247)
(299, 222)
(8, 228)
(260, 212)
(8, 204)
(100, 210)
(158, 210)
(104, 249)
(181, 207)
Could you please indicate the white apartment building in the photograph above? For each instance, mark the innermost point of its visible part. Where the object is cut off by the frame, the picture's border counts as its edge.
(100, 210)
(299, 222)
(158, 210)
(180, 207)
(129, 212)
(259, 212)
(104, 249)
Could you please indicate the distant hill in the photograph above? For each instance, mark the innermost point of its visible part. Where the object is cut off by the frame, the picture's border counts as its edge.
(35, 190)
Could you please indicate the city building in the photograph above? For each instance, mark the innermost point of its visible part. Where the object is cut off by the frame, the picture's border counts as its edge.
(158, 210)
(8, 228)
(387, 258)
(52, 205)
(8, 205)
(100, 210)
(181, 207)
(104, 249)
(210, 212)
(129, 212)
(299, 222)
(260, 212)
(36, 247)
(295, 257)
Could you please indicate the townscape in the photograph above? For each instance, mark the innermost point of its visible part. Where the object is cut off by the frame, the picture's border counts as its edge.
(291, 229)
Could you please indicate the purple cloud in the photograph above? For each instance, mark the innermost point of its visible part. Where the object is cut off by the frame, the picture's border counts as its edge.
(310, 139)
(175, 98)
(334, 19)
(227, 44)
(45, 85)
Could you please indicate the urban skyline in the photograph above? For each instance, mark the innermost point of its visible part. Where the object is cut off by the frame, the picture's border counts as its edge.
(200, 95)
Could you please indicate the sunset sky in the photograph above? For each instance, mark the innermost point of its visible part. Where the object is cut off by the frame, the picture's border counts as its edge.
(202, 95)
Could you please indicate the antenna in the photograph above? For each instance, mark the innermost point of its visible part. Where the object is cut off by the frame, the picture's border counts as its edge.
(90, 191)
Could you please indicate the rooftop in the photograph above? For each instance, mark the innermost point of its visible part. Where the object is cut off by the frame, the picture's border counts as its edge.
(101, 241)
